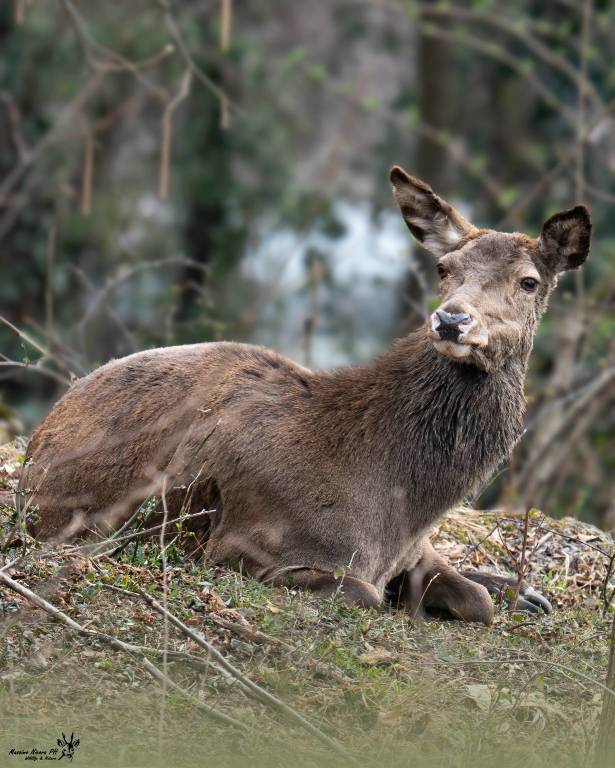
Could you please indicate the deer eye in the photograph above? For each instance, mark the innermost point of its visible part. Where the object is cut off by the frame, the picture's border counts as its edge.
(529, 284)
(442, 271)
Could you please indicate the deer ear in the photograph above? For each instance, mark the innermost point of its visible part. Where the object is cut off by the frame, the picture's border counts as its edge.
(564, 240)
(433, 222)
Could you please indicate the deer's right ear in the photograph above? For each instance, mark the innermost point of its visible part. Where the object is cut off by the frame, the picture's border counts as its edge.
(564, 240)
(434, 223)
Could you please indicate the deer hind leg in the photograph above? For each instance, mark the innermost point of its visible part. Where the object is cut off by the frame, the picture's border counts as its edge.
(324, 584)
(434, 584)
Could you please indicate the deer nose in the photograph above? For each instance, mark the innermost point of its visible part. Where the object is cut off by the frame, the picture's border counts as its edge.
(447, 324)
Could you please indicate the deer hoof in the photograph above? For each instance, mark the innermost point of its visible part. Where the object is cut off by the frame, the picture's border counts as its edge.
(532, 601)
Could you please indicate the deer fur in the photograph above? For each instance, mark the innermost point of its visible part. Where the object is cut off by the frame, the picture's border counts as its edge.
(325, 480)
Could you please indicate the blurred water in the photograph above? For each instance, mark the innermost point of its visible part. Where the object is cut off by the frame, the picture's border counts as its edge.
(358, 300)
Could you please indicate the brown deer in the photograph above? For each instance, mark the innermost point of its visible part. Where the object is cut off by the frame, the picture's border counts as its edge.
(332, 480)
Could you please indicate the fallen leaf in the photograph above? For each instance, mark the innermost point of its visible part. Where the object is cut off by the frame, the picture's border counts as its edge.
(272, 608)
(212, 601)
(376, 657)
(480, 695)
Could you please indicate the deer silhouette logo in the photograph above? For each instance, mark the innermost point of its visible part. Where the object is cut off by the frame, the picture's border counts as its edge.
(68, 746)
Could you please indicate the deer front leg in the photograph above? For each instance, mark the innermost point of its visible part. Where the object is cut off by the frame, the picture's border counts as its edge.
(506, 586)
(433, 583)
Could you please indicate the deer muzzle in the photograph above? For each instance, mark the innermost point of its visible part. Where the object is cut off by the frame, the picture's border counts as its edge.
(450, 326)
(455, 332)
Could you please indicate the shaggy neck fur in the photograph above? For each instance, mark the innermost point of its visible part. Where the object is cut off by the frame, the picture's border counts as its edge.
(445, 425)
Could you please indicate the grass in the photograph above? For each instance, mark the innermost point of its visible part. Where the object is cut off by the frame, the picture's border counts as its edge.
(393, 691)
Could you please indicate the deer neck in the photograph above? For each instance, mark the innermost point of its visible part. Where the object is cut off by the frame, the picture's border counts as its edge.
(437, 428)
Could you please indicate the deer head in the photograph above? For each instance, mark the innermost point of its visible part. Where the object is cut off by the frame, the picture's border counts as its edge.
(493, 285)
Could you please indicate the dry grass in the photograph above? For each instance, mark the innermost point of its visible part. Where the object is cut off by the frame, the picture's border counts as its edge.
(393, 691)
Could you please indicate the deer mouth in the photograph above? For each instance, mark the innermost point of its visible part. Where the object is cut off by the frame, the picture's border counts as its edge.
(463, 347)
(458, 350)
(456, 335)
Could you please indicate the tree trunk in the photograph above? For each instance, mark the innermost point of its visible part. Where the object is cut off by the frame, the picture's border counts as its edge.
(431, 164)
(203, 234)
(605, 744)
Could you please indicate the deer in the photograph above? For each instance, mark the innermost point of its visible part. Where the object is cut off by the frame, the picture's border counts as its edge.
(329, 481)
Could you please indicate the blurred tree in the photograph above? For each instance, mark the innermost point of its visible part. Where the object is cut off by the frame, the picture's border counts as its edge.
(435, 101)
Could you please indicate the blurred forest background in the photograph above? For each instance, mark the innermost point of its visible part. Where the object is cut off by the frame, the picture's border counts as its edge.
(208, 169)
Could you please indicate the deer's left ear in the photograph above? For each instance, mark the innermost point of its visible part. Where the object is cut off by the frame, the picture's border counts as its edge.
(564, 240)
(434, 223)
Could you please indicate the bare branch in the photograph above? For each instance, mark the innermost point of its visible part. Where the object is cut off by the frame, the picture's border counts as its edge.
(259, 693)
(419, 12)
(167, 129)
(14, 121)
(114, 642)
(66, 117)
(46, 353)
(6, 363)
(88, 172)
(226, 11)
(165, 594)
(605, 744)
(519, 29)
(112, 61)
(198, 73)
(167, 682)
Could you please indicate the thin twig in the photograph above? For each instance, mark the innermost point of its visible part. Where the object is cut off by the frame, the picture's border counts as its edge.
(244, 630)
(37, 368)
(167, 682)
(49, 272)
(11, 563)
(248, 632)
(475, 547)
(103, 59)
(141, 534)
(553, 664)
(87, 176)
(259, 693)
(167, 133)
(606, 600)
(605, 743)
(14, 124)
(39, 348)
(485, 47)
(522, 558)
(115, 642)
(65, 118)
(199, 74)
(226, 12)
(20, 11)
(523, 34)
(165, 594)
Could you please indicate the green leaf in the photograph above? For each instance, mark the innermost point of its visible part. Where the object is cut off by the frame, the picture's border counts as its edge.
(296, 56)
(317, 72)
(370, 103)
(507, 197)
